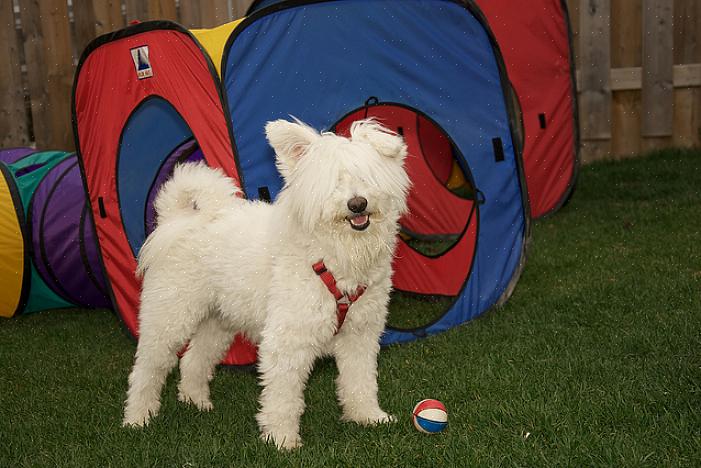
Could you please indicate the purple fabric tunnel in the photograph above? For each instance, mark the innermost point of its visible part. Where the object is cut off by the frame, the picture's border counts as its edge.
(64, 244)
(63, 238)
(11, 155)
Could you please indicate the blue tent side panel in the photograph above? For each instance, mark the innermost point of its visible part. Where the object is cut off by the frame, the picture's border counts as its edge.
(318, 61)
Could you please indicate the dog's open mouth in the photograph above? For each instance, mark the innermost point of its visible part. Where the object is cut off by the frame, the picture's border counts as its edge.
(359, 222)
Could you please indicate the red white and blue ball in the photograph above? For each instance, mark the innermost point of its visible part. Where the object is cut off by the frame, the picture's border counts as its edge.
(430, 416)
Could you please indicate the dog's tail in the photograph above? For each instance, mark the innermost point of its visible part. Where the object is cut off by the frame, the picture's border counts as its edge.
(194, 196)
(195, 189)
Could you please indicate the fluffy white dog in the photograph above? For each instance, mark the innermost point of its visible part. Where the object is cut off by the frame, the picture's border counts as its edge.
(284, 274)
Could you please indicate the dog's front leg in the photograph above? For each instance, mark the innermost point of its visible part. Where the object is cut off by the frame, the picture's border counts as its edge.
(284, 369)
(356, 357)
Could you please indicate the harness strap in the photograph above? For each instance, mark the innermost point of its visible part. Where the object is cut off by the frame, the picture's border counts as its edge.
(343, 301)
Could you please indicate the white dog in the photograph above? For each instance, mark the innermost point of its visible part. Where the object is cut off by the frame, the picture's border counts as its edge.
(284, 274)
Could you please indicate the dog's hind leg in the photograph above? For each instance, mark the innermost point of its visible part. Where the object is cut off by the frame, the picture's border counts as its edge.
(206, 350)
(162, 336)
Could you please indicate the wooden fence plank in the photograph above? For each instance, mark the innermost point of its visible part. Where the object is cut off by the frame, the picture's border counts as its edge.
(595, 60)
(162, 10)
(85, 23)
(687, 50)
(215, 12)
(657, 80)
(240, 7)
(13, 115)
(137, 10)
(94, 18)
(108, 16)
(190, 14)
(48, 52)
(573, 9)
(626, 51)
(629, 78)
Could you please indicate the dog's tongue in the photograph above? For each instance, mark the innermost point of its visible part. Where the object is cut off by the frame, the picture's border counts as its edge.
(359, 220)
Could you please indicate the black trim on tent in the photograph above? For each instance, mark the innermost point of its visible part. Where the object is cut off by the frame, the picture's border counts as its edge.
(264, 194)
(21, 221)
(101, 206)
(498, 148)
(253, 7)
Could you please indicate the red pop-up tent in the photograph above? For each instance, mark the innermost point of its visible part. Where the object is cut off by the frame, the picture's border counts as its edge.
(535, 40)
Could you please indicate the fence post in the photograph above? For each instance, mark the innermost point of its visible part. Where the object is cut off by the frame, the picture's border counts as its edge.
(215, 12)
(595, 61)
(687, 49)
(190, 16)
(47, 47)
(13, 116)
(162, 9)
(240, 7)
(626, 52)
(657, 79)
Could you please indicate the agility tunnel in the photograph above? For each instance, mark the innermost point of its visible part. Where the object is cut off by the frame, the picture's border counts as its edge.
(48, 250)
(441, 83)
(536, 41)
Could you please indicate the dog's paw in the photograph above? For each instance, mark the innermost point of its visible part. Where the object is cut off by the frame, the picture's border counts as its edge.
(373, 419)
(282, 441)
(385, 419)
(136, 422)
(201, 403)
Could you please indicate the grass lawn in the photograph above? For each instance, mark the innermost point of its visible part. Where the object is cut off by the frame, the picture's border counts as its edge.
(595, 361)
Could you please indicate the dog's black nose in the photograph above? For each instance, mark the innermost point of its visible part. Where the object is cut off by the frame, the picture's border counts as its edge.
(357, 204)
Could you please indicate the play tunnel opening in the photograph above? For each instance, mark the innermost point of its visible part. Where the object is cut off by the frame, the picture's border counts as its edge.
(437, 237)
(154, 139)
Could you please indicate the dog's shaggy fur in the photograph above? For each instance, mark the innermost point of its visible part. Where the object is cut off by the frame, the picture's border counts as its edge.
(217, 264)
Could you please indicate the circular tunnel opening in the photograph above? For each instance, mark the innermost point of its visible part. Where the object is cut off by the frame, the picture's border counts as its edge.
(437, 237)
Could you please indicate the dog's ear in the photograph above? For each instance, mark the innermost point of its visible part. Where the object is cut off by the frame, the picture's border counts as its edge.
(290, 140)
(385, 141)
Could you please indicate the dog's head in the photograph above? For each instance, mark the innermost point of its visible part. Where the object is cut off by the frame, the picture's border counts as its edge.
(351, 186)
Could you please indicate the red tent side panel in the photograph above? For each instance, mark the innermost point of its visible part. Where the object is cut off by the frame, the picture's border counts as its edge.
(106, 91)
(534, 41)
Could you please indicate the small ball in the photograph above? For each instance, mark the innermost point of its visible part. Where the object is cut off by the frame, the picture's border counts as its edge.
(430, 416)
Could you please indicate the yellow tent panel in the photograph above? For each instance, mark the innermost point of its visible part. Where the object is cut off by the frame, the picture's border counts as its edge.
(213, 40)
(11, 253)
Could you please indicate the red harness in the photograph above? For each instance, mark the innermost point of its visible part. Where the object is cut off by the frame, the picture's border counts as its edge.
(343, 301)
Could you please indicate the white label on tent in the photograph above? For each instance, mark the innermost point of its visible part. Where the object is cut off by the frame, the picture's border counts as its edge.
(142, 62)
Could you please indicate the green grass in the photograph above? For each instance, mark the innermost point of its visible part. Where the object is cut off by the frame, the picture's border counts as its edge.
(595, 361)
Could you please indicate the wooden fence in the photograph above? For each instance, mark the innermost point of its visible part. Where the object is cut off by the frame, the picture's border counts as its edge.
(41, 41)
(639, 66)
(639, 74)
